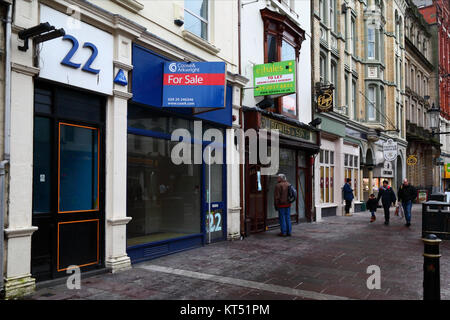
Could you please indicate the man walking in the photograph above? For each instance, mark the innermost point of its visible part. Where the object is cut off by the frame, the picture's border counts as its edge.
(407, 194)
(283, 205)
(348, 196)
(387, 195)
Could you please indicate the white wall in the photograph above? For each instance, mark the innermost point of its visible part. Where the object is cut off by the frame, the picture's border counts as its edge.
(252, 51)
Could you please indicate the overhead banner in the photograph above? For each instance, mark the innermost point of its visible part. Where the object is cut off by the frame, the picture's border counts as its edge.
(194, 84)
(277, 78)
(390, 150)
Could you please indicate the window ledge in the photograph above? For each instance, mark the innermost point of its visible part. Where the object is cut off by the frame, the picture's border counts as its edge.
(132, 5)
(199, 42)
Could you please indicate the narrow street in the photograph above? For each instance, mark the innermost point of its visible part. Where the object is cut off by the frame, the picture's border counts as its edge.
(325, 260)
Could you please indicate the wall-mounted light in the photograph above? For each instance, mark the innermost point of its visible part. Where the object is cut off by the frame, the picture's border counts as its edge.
(40, 33)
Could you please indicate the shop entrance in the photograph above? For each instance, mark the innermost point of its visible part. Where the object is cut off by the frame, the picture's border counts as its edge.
(214, 204)
(68, 174)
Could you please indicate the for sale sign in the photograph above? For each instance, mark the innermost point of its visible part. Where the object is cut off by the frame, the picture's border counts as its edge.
(274, 78)
(194, 84)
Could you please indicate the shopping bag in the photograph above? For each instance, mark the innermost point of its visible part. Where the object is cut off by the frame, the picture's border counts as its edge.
(401, 214)
(397, 210)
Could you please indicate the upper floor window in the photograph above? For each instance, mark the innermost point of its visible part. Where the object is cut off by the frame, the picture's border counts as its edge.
(371, 43)
(371, 104)
(353, 36)
(196, 17)
(323, 68)
(282, 42)
(425, 48)
(332, 11)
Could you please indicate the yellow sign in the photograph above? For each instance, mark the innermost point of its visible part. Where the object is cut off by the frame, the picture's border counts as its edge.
(325, 100)
(412, 160)
(447, 170)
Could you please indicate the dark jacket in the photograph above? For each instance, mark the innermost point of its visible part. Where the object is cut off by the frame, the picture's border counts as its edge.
(372, 204)
(348, 192)
(281, 195)
(408, 193)
(387, 196)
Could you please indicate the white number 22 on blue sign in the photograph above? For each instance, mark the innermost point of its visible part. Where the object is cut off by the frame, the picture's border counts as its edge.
(87, 66)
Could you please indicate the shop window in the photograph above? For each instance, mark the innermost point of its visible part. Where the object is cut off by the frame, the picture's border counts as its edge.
(351, 170)
(162, 198)
(282, 42)
(78, 168)
(326, 176)
(196, 17)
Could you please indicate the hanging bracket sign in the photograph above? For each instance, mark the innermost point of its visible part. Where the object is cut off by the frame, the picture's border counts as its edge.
(194, 85)
(390, 150)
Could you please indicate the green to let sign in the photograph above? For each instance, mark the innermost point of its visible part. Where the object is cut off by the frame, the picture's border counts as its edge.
(274, 78)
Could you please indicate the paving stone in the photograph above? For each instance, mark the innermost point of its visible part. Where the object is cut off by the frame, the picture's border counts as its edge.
(329, 257)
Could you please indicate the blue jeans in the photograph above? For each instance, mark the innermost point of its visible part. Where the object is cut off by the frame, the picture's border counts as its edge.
(407, 210)
(284, 214)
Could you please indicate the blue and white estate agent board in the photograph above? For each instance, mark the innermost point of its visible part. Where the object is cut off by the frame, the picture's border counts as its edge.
(82, 58)
(194, 84)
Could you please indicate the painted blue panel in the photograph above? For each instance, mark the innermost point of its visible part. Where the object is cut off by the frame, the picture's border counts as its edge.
(147, 82)
(157, 249)
(223, 116)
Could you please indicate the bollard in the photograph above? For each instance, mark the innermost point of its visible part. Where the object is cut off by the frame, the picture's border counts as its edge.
(431, 273)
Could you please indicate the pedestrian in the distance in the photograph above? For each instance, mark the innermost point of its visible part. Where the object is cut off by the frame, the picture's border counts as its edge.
(407, 194)
(388, 198)
(348, 196)
(372, 205)
(282, 204)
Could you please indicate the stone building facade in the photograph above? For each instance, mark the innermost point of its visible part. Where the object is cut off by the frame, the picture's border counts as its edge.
(420, 75)
(359, 48)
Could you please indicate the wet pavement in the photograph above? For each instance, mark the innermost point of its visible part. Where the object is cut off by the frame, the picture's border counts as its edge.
(320, 261)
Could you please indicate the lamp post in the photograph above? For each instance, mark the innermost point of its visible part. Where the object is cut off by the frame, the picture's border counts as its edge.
(434, 120)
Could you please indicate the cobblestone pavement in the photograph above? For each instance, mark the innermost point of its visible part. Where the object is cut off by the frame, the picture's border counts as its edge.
(324, 260)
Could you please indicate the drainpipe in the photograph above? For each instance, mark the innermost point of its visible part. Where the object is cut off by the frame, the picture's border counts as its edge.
(241, 123)
(7, 135)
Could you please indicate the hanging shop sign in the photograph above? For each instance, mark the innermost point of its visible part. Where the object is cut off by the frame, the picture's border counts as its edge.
(277, 78)
(387, 170)
(82, 58)
(194, 84)
(390, 150)
(412, 160)
(324, 94)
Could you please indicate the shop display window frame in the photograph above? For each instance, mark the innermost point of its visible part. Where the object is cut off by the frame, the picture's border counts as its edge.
(175, 244)
(327, 165)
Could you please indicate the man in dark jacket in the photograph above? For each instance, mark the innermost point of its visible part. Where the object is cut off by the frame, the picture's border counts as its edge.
(407, 194)
(348, 196)
(387, 195)
(283, 205)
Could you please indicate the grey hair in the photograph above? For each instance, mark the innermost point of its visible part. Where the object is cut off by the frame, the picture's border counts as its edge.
(282, 176)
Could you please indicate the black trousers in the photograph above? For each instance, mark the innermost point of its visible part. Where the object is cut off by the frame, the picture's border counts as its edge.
(348, 204)
(386, 212)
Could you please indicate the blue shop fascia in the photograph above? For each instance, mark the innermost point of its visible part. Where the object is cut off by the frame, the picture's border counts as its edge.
(174, 207)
